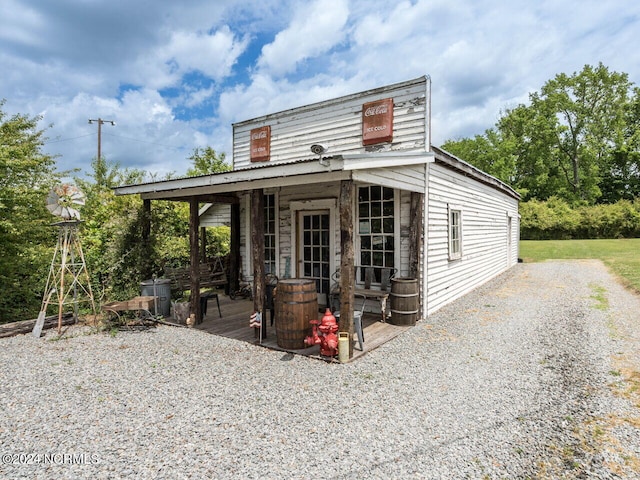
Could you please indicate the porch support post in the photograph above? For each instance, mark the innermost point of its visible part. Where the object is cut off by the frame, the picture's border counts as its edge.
(347, 270)
(147, 268)
(194, 258)
(257, 244)
(234, 254)
(415, 241)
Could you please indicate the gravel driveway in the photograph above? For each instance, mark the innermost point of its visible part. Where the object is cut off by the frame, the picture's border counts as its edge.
(533, 375)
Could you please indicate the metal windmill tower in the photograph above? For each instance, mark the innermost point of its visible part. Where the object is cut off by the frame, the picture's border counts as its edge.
(68, 282)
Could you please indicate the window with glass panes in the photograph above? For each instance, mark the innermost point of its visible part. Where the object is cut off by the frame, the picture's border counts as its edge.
(376, 228)
(270, 257)
(455, 234)
(315, 248)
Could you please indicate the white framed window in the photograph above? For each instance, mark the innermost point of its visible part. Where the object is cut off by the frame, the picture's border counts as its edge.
(270, 231)
(377, 230)
(455, 233)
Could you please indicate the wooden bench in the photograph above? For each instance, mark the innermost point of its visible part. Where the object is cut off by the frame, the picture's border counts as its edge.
(210, 277)
(366, 277)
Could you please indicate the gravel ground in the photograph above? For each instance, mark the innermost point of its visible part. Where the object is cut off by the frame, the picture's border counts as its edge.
(533, 375)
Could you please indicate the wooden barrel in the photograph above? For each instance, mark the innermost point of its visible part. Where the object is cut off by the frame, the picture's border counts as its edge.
(404, 301)
(296, 304)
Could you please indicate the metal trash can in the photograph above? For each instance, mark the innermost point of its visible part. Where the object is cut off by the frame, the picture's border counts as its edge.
(162, 290)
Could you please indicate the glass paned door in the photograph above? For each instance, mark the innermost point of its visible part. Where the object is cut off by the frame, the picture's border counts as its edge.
(314, 251)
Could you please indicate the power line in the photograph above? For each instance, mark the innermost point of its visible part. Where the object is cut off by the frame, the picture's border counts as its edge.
(144, 141)
(67, 139)
(60, 140)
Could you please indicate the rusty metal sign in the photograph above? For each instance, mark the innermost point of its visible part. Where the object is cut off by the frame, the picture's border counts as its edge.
(377, 121)
(261, 144)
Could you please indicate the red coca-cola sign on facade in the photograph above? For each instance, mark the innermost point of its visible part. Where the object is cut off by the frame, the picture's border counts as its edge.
(260, 144)
(377, 121)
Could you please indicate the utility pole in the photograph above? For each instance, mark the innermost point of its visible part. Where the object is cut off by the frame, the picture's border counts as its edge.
(100, 122)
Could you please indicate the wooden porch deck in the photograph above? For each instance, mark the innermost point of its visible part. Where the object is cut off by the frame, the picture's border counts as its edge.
(235, 324)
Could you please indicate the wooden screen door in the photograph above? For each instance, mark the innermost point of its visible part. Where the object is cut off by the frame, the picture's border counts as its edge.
(314, 250)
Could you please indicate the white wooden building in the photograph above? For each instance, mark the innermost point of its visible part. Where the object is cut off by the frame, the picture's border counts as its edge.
(353, 181)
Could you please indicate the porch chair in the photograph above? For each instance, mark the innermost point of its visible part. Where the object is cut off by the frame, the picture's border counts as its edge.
(357, 318)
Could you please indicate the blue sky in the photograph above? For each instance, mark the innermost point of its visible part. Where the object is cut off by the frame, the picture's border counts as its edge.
(175, 75)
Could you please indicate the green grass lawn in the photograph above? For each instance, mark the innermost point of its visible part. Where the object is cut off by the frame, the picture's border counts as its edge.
(621, 256)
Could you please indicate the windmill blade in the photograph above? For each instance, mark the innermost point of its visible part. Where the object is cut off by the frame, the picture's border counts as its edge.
(77, 197)
(72, 213)
(61, 200)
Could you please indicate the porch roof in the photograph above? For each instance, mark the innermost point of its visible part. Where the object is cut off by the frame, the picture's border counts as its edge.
(305, 171)
(215, 186)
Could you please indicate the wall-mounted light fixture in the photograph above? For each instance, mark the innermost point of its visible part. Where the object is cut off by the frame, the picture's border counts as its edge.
(318, 149)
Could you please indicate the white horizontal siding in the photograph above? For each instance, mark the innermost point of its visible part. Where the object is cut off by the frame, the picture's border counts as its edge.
(409, 178)
(216, 216)
(485, 251)
(337, 124)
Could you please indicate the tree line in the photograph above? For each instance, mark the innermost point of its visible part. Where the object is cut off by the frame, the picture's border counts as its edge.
(575, 143)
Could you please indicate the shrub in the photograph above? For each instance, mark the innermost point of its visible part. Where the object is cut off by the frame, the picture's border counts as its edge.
(555, 219)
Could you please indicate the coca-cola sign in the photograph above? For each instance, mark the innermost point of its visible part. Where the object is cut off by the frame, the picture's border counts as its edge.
(377, 121)
(379, 109)
(260, 144)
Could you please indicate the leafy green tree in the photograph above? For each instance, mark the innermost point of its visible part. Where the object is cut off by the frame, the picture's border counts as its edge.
(111, 231)
(577, 140)
(583, 118)
(489, 152)
(205, 161)
(117, 258)
(624, 170)
(26, 236)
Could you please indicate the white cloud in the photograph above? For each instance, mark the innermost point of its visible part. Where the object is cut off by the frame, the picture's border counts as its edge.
(266, 95)
(379, 27)
(196, 97)
(146, 135)
(20, 24)
(212, 54)
(315, 29)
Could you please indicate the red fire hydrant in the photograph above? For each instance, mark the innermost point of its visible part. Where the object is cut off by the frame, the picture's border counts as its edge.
(314, 338)
(329, 341)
